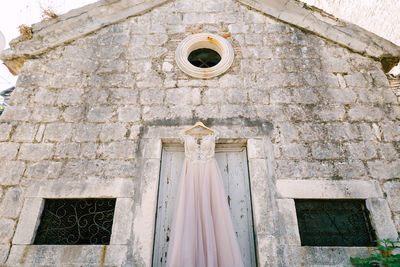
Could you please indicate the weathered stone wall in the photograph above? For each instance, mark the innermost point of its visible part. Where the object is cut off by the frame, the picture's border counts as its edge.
(79, 111)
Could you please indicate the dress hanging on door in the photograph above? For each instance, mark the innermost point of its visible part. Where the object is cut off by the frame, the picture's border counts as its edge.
(202, 230)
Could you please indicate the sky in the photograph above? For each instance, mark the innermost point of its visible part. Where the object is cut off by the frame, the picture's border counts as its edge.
(17, 12)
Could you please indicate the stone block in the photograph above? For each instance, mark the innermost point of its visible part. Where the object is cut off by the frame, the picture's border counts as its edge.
(4, 250)
(113, 132)
(383, 169)
(154, 112)
(330, 112)
(86, 132)
(122, 226)
(213, 96)
(58, 132)
(341, 96)
(288, 217)
(338, 131)
(356, 79)
(391, 131)
(66, 150)
(179, 96)
(392, 190)
(256, 149)
(305, 95)
(35, 152)
(152, 149)
(116, 255)
(6, 230)
(43, 169)
(259, 96)
(369, 131)
(12, 203)
(149, 79)
(311, 132)
(381, 218)
(362, 150)
(230, 81)
(139, 66)
(70, 96)
(259, 179)
(255, 52)
(237, 96)
(8, 150)
(236, 28)
(25, 132)
(289, 132)
(294, 151)
(45, 114)
(29, 220)
(157, 39)
(388, 152)
(289, 188)
(124, 96)
(120, 168)
(82, 168)
(280, 95)
(88, 150)
(78, 255)
(327, 151)
(73, 113)
(40, 132)
(253, 39)
(20, 96)
(118, 150)
(5, 130)
(152, 96)
(314, 79)
(350, 169)
(366, 113)
(337, 65)
(16, 113)
(100, 114)
(317, 169)
(11, 172)
(303, 169)
(45, 96)
(129, 114)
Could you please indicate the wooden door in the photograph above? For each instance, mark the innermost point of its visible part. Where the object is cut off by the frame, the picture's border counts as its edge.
(232, 161)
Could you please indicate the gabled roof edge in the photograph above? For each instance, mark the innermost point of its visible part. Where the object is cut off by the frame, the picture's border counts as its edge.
(328, 27)
(72, 26)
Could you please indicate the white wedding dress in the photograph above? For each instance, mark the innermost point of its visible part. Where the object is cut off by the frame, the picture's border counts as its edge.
(202, 233)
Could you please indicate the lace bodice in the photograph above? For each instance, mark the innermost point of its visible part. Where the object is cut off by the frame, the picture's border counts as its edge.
(203, 151)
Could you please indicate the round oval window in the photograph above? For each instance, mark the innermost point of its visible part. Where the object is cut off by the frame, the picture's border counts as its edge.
(204, 58)
(204, 55)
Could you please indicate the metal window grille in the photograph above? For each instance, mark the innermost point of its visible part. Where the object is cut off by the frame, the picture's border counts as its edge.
(334, 223)
(76, 222)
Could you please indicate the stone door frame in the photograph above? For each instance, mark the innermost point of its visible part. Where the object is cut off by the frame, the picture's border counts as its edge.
(259, 151)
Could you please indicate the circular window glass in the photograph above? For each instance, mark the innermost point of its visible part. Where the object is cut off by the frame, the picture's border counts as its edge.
(204, 55)
(204, 58)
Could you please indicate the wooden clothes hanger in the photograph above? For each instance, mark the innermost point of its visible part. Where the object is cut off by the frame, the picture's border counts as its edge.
(199, 125)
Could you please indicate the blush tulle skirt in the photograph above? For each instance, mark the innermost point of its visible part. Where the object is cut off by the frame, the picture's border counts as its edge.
(202, 233)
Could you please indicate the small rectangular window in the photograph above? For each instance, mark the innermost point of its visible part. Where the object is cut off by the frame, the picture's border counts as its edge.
(334, 223)
(76, 222)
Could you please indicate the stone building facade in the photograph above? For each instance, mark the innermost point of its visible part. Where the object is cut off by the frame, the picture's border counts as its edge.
(100, 94)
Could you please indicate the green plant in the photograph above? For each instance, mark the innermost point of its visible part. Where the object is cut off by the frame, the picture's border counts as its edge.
(382, 256)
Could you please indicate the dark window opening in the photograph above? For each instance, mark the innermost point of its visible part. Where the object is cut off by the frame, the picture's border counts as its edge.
(76, 222)
(204, 58)
(334, 223)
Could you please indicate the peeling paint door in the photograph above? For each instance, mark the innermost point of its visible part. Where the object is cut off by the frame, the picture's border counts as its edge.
(232, 161)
